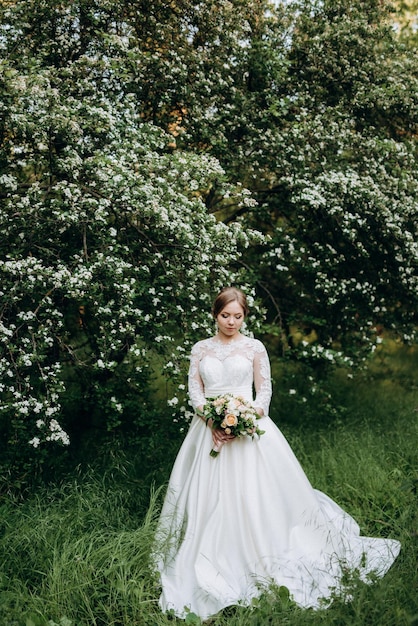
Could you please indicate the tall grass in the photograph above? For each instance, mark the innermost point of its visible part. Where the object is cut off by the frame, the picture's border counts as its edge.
(79, 554)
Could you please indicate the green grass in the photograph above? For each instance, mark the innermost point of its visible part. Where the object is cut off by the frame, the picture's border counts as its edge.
(78, 554)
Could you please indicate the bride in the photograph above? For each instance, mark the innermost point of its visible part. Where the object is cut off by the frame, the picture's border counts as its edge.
(233, 525)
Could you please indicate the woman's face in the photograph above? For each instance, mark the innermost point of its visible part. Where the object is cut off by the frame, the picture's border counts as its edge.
(230, 320)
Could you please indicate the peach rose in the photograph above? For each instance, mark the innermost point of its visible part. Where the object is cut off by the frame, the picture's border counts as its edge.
(231, 419)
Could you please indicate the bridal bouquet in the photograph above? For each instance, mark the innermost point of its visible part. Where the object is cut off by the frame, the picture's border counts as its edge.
(235, 415)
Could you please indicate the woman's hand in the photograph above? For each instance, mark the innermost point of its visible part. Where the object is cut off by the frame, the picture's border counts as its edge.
(219, 436)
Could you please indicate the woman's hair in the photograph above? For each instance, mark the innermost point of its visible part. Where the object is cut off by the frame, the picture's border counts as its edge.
(227, 295)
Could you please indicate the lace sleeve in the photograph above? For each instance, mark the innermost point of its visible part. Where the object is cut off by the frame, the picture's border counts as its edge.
(262, 379)
(196, 389)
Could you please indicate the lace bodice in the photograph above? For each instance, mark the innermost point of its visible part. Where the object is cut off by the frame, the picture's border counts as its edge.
(237, 367)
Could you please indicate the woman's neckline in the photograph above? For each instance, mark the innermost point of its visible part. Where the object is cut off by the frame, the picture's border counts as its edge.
(218, 341)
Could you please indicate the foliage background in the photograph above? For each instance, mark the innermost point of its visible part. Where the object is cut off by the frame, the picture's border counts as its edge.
(151, 153)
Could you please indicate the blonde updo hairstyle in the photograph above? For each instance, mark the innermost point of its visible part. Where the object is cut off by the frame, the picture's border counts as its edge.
(227, 295)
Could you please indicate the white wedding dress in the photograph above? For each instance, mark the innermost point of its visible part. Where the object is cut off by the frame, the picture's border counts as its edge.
(232, 525)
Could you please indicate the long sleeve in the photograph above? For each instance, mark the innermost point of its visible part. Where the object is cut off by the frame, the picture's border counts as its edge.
(195, 383)
(262, 379)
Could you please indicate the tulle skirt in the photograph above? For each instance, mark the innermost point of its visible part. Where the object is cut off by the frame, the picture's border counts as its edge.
(233, 525)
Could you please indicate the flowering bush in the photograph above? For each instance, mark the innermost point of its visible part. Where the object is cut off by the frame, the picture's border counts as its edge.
(323, 130)
(134, 142)
(108, 256)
